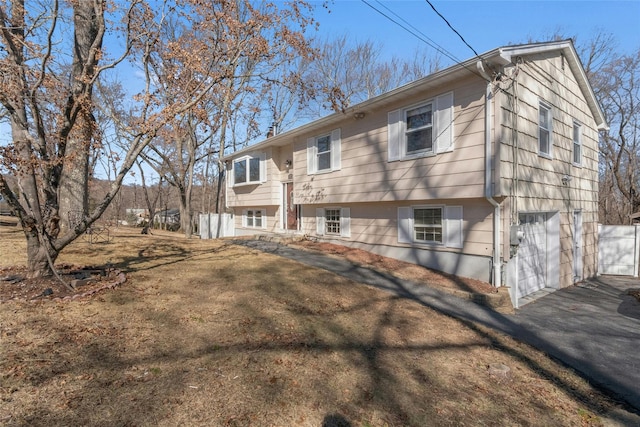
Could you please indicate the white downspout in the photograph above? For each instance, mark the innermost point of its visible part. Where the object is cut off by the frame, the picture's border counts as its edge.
(488, 191)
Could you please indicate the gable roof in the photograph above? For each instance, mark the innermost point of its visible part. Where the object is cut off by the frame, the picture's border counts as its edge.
(499, 56)
(566, 48)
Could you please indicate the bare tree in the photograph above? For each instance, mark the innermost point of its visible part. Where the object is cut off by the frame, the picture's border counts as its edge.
(255, 48)
(51, 119)
(348, 72)
(619, 95)
(47, 96)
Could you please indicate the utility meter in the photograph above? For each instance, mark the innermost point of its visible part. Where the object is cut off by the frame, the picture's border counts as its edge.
(517, 235)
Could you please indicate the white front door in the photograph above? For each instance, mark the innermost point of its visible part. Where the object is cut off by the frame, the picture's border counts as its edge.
(532, 254)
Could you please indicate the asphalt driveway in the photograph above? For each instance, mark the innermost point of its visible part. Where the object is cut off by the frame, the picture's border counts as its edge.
(593, 328)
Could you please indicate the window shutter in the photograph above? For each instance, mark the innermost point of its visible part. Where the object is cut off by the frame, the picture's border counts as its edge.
(263, 216)
(335, 150)
(244, 218)
(405, 232)
(345, 222)
(311, 156)
(394, 130)
(453, 224)
(320, 222)
(444, 123)
(263, 167)
(232, 177)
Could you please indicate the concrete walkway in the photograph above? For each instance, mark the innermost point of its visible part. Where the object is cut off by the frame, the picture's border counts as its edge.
(593, 328)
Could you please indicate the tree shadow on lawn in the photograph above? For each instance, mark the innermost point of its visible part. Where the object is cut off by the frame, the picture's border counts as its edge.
(276, 350)
(162, 254)
(464, 311)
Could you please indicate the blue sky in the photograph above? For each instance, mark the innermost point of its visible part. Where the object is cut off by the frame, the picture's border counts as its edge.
(485, 25)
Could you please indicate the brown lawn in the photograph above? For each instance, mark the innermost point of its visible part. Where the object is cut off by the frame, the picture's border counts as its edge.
(213, 334)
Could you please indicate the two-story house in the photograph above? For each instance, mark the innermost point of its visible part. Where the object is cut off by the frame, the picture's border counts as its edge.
(487, 169)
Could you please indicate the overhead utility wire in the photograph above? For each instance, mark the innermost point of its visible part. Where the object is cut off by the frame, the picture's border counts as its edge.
(454, 30)
(430, 41)
(459, 35)
(442, 51)
(434, 45)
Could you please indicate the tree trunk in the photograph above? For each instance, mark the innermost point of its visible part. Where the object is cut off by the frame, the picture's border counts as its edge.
(221, 171)
(74, 181)
(185, 216)
(38, 256)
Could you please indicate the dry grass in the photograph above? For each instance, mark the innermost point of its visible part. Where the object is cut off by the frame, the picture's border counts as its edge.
(209, 333)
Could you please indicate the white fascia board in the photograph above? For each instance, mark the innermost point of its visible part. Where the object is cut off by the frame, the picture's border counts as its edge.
(501, 56)
(510, 53)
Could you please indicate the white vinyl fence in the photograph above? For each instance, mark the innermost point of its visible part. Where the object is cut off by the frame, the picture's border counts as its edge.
(213, 226)
(618, 249)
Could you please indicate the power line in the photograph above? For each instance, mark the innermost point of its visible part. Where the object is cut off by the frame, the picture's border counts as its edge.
(424, 38)
(453, 29)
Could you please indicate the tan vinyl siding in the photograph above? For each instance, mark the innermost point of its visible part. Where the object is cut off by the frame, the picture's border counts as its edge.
(266, 193)
(271, 218)
(367, 176)
(374, 227)
(377, 224)
(364, 179)
(536, 183)
(590, 244)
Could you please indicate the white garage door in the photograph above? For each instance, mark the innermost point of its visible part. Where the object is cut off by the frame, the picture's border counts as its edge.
(532, 254)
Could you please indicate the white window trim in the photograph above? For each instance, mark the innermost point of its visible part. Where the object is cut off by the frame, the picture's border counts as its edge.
(318, 153)
(442, 129)
(263, 217)
(418, 153)
(336, 153)
(428, 242)
(263, 166)
(574, 143)
(326, 222)
(547, 107)
(452, 226)
(345, 222)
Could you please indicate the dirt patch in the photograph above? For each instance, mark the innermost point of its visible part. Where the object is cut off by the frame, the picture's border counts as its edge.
(401, 269)
(211, 333)
(635, 293)
(72, 282)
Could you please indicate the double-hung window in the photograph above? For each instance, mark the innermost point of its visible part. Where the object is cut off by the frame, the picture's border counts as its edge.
(577, 144)
(419, 129)
(427, 225)
(333, 221)
(324, 153)
(323, 144)
(544, 130)
(248, 170)
(431, 225)
(254, 218)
